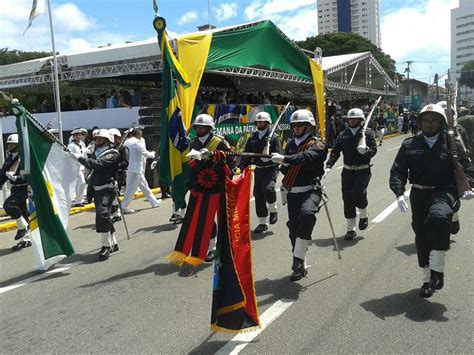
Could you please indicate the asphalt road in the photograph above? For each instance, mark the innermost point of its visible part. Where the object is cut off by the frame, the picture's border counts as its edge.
(137, 303)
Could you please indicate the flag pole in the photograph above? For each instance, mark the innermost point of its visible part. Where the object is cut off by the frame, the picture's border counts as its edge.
(56, 77)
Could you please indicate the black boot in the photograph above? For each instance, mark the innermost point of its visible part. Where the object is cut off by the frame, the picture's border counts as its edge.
(21, 245)
(426, 291)
(455, 227)
(261, 228)
(436, 280)
(20, 233)
(273, 217)
(211, 254)
(350, 235)
(299, 270)
(104, 253)
(363, 223)
(116, 218)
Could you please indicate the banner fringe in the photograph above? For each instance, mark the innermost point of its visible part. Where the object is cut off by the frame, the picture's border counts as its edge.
(177, 258)
(194, 261)
(215, 328)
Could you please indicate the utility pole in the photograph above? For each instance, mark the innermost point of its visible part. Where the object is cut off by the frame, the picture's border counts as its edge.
(436, 78)
(407, 70)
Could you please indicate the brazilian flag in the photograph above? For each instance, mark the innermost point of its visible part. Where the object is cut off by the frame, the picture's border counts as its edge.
(174, 145)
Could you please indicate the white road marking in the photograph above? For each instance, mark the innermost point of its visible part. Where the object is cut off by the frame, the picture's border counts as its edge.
(240, 341)
(38, 277)
(386, 212)
(388, 150)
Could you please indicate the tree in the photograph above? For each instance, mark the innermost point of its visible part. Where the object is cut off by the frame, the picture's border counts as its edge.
(16, 56)
(467, 74)
(339, 43)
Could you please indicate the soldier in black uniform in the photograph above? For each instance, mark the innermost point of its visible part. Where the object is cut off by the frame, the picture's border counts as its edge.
(303, 166)
(103, 165)
(356, 173)
(121, 170)
(204, 125)
(266, 172)
(16, 204)
(425, 161)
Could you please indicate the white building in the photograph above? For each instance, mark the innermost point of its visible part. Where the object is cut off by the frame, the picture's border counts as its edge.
(462, 43)
(358, 16)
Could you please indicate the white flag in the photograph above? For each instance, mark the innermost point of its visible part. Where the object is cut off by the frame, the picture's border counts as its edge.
(37, 9)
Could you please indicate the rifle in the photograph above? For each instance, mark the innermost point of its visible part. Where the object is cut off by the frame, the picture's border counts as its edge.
(462, 183)
(362, 142)
(266, 150)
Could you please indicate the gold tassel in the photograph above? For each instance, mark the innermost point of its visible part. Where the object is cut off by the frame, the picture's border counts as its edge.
(194, 261)
(177, 258)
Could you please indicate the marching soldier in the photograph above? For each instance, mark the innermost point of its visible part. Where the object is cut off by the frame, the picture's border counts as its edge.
(103, 165)
(303, 166)
(356, 173)
(266, 172)
(77, 145)
(121, 170)
(425, 160)
(204, 125)
(16, 204)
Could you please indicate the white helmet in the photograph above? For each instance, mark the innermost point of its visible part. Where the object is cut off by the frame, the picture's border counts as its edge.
(204, 120)
(94, 132)
(263, 117)
(440, 111)
(356, 113)
(115, 132)
(79, 130)
(104, 133)
(12, 138)
(303, 116)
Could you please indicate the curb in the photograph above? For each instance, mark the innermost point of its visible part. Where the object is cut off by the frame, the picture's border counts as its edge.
(5, 227)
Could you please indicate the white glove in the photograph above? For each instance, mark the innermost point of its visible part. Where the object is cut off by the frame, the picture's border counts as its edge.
(402, 203)
(467, 195)
(363, 150)
(283, 195)
(11, 176)
(277, 158)
(75, 156)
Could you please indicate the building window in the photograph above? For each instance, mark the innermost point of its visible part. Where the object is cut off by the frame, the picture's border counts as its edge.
(465, 25)
(465, 47)
(464, 33)
(465, 55)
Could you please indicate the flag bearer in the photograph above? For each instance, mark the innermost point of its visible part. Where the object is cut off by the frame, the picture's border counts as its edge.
(77, 145)
(103, 165)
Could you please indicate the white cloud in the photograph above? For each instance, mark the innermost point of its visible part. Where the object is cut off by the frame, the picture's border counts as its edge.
(225, 11)
(188, 17)
(297, 18)
(420, 32)
(258, 10)
(74, 30)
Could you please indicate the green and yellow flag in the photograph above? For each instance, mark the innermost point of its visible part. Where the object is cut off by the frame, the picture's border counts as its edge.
(174, 145)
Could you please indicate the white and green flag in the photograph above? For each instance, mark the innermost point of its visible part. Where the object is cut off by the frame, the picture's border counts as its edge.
(37, 8)
(52, 173)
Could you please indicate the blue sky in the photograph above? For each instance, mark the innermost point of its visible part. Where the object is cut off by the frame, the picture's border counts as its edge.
(407, 25)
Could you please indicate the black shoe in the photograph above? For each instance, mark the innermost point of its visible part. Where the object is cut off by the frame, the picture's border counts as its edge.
(115, 248)
(426, 291)
(104, 253)
(211, 254)
(455, 227)
(273, 217)
(350, 235)
(363, 223)
(20, 233)
(436, 280)
(261, 228)
(165, 195)
(21, 245)
(299, 270)
(116, 219)
(178, 220)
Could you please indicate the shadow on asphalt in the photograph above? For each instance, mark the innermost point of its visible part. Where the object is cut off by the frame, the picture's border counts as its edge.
(211, 347)
(409, 304)
(160, 269)
(7, 251)
(341, 242)
(408, 249)
(86, 226)
(260, 236)
(157, 229)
